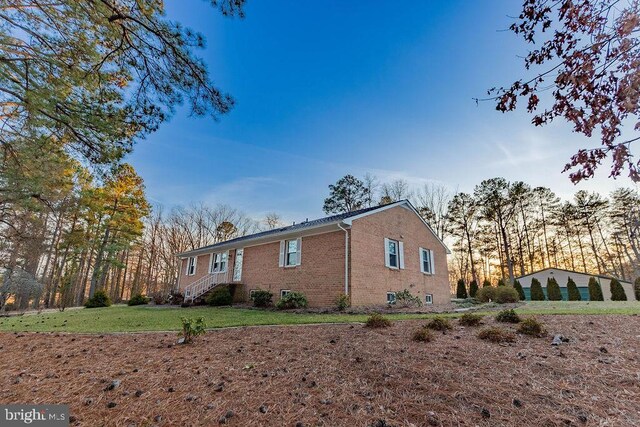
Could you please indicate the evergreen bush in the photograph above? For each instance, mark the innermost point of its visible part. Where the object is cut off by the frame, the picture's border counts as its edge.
(470, 319)
(508, 316)
(292, 300)
(262, 298)
(439, 324)
(138, 299)
(219, 296)
(595, 290)
(531, 326)
(99, 299)
(536, 290)
(506, 294)
(461, 290)
(518, 287)
(572, 290)
(342, 302)
(617, 291)
(422, 335)
(377, 320)
(486, 294)
(553, 290)
(473, 288)
(497, 335)
(192, 328)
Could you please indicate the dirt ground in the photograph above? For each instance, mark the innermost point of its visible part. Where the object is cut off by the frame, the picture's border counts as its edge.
(335, 375)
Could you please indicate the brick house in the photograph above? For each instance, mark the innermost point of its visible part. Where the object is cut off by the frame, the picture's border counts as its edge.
(368, 254)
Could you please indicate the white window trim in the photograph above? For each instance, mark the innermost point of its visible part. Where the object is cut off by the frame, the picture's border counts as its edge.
(284, 292)
(428, 299)
(212, 261)
(394, 298)
(421, 257)
(284, 247)
(195, 265)
(399, 254)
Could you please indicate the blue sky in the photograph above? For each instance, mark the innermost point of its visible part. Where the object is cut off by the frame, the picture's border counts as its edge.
(329, 88)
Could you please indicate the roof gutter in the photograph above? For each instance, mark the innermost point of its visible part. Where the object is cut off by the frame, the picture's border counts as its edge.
(346, 259)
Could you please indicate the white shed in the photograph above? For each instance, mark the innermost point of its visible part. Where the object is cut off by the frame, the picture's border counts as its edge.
(581, 279)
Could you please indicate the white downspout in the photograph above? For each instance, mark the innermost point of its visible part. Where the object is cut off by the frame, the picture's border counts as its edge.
(346, 259)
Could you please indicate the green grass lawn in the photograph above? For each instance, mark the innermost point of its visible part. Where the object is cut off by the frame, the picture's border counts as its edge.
(120, 318)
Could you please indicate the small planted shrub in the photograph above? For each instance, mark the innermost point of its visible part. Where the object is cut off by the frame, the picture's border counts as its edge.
(497, 335)
(99, 299)
(473, 289)
(506, 294)
(439, 324)
(553, 290)
(342, 302)
(636, 288)
(159, 298)
(508, 316)
(377, 320)
(486, 294)
(595, 290)
(486, 283)
(138, 299)
(572, 291)
(461, 290)
(262, 298)
(423, 335)
(518, 287)
(219, 296)
(531, 326)
(176, 298)
(617, 291)
(405, 299)
(192, 328)
(470, 319)
(537, 294)
(292, 300)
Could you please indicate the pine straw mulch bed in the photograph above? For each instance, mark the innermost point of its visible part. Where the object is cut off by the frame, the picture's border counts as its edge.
(335, 375)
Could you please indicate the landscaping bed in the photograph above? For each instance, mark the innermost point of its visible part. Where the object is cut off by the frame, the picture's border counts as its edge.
(335, 375)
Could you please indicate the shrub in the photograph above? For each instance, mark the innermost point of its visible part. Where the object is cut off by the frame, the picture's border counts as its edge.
(262, 298)
(292, 300)
(405, 299)
(192, 328)
(138, 299)
(506, 294)
(461, 290)
(176, 298)
(99, 299)
(342, 302)
(537, 294)
(422, 335)
(219, 296)
(185, 304)
(595, 290)
(470, 319)
(159, 298)
(531, 326)
(636, 288)
(486, 283)
(497, 335)
(572, 291)
(617, 291)
(508, 316)
(486, 294)
(377, 320)
(501, 282)
(9, 307)
(473, 289)
(439, 324)
(518, 287)
(553, 290)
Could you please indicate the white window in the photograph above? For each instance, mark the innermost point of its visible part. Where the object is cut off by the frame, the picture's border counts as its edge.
(391, 297)
(237, 267)
(284, 292)
(219, 262)
(426, 261)
(191, 266)
(428, 299)
(394, 253)
(290, 252)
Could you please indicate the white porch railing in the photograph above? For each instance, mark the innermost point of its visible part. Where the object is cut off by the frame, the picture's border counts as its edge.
(204, 284)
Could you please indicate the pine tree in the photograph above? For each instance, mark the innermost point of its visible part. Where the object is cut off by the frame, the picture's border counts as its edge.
(461, 290)
(617, 291)
(572, 290)
(553, 290)
(473, 289)
(595, 291)
(486, 283)
(518, 288)
(536, 290)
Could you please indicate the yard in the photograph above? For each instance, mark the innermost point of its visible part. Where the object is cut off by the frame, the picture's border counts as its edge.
(121, 318)
(329, 375)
